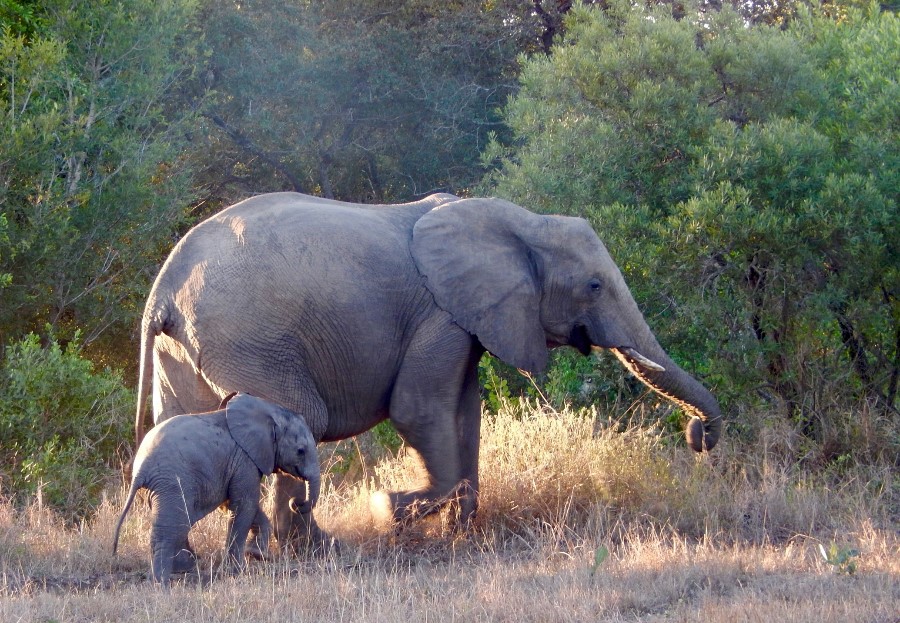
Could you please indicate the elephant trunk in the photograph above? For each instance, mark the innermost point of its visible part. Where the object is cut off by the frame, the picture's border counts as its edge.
(649, 363)
(315, 486)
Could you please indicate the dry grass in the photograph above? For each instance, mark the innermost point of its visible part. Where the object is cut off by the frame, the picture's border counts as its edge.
(733, 537)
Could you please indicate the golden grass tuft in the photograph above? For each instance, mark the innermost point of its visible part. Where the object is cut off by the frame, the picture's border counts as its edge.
(731, 536)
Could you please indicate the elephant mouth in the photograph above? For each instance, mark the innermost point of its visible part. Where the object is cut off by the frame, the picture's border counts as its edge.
(580, 340)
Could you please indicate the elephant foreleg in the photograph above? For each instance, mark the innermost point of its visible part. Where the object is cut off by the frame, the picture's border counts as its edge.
(424, 409)
(468, 430)
(243, 516)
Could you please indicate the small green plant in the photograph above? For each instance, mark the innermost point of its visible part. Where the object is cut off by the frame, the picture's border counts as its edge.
(840, 558)
(387, 436)
(600, 556)
(496, 388)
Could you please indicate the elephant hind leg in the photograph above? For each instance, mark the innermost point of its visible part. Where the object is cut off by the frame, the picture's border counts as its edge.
(178, 386)
(184, 559)
(164, 545)
(294, 525)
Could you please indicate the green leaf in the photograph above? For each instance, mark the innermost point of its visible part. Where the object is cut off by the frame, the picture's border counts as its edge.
(600, 555)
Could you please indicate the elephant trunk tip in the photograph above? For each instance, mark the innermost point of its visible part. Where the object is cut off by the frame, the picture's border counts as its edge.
(300, 507)
(698, 437)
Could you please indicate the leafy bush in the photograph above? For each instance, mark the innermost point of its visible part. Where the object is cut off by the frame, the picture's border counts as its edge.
(62, 424)
(387, 437)
(745, 180)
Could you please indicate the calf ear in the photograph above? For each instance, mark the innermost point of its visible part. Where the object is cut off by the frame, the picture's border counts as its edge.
(252, 429)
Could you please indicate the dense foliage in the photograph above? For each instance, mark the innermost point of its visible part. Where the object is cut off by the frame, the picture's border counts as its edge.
(361, 101)
(746, 180)
(90, 178)
(63, 424)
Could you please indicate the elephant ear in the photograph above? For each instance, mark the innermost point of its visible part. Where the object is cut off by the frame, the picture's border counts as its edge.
(253, 429)
(479, 268)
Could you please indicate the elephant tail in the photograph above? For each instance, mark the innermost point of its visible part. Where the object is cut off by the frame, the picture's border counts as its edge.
(135, 485)
(154, 322)
(144, 379)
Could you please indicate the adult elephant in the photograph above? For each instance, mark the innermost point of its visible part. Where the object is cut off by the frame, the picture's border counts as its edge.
(351, 314)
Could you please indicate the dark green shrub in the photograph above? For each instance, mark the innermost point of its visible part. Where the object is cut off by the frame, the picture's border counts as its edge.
(62, 424)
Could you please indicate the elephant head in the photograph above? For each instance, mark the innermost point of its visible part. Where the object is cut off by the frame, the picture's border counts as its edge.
(522, 282)
(274, 438)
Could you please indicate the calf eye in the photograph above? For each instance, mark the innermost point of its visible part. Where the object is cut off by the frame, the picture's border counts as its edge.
(301, 451)
(594, 285)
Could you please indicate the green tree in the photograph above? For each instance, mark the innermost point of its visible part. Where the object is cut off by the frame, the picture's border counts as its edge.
(745, 179)
(91, 175)
(369, 101)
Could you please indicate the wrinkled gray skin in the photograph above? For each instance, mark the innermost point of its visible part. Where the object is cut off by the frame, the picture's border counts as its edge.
(193, 463)
(350, 314)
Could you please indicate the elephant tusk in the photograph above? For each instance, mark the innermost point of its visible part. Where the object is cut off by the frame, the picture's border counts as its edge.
(638, 358)
(634, 356)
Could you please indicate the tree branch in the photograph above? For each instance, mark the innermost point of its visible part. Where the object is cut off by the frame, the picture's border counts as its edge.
(245, 143)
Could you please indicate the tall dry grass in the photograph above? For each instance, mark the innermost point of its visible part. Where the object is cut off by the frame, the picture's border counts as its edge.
(731, 536)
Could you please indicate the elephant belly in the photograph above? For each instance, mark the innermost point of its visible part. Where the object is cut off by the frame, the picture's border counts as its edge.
(343, 428)
(340, 391)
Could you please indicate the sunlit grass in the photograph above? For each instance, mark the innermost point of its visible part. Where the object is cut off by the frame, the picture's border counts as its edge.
(732, 536)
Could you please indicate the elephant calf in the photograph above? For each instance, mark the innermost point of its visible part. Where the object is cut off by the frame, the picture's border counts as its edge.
(193, 463)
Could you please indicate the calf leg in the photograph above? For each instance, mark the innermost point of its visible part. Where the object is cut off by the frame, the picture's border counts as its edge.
(260, 535)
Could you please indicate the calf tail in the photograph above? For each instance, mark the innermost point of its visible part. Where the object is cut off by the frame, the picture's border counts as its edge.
(135, 485)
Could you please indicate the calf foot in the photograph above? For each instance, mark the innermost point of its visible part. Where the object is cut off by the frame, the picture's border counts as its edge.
(184, 561)
(257, 551)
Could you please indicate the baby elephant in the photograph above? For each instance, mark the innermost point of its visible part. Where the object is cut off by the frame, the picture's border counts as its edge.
(193, 463)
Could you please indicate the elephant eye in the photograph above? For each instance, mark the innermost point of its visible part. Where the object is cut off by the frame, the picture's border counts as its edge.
(301, 451)
(594, 285)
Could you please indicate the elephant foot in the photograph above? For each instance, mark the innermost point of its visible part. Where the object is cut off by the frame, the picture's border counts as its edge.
(308, 539)
(464, 506)
(295, 527)
(298, 533)
(398, 510)
(185, 561)
(234, 565)
(257, 551)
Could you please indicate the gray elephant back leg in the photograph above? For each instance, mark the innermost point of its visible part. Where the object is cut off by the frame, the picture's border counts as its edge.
(294, 525)
(177, 386)
(166, 540)
(260, 536)
(170, 525)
